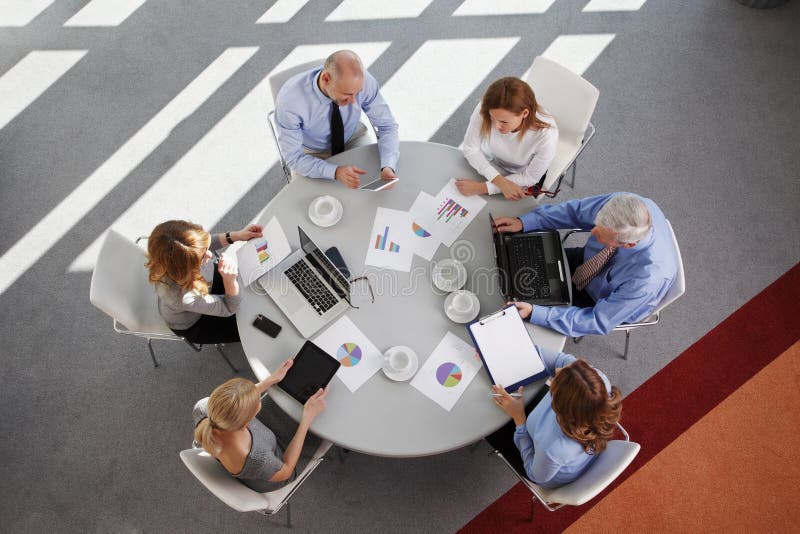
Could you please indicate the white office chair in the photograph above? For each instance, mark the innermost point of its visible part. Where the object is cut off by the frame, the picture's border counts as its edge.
(276, 81)
(607, 467)
(677, 289)
(226, 488)
(121, 289)
(571, 100)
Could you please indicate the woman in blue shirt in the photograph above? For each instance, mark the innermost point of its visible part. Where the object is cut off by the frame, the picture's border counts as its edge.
(571, 425)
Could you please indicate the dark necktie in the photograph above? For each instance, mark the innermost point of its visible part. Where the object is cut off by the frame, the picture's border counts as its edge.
(337, 130)
(591, 268)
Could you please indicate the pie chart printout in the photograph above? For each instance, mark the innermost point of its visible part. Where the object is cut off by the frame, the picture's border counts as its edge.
(349, 354)
(420, 231)
(448, 374)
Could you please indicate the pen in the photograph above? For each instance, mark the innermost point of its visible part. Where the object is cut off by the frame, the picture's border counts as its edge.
(517, 395)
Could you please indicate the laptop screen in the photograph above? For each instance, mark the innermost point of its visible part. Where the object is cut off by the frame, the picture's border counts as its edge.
(324, 266)
(500, 259)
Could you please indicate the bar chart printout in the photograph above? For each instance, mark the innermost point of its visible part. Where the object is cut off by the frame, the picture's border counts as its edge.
(450, 209)
(390, 243)
(382, 240)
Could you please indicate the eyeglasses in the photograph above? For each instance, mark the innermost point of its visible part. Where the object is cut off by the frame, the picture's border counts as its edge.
(369, 285)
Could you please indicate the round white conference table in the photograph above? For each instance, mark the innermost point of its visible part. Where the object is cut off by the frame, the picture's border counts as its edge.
(384, 417)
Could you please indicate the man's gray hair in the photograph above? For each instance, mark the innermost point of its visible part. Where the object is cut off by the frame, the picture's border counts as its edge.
(627, 215)
(342, 60)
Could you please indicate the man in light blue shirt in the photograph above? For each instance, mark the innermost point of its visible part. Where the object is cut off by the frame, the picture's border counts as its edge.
(304, 113)
(641, 269)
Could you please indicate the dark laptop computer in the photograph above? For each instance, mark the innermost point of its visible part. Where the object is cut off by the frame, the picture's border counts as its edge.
(532, 267)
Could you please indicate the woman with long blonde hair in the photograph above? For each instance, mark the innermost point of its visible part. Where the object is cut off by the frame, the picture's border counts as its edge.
(510, 140)
(227, 428)
(197, 297)
(567, 429)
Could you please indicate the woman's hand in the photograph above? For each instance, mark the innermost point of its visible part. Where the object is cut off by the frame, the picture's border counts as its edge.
(315, 405)
(510, 190)
(471, 187)
(227, 268)
(280, 372)
(247, 233)
(525, 309)
(513, 406)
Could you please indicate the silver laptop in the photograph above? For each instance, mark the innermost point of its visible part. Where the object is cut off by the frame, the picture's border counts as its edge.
(307, 287)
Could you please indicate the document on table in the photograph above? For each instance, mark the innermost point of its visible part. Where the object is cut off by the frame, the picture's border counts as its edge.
(448, 371)
(449, 214)
(391, 240)
(260, 254)
(425, 243)
(360, 359)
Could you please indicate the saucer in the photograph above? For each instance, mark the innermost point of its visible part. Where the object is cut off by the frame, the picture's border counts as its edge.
(329, 220)
(401, 376)
(449, 282)
(454, 315)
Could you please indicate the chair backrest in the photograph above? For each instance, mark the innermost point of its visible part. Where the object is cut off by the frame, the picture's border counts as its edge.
(121, 289)
(568, 97)
(235, 494)
(277, 80)
(679, 285)
(607, 467)
(218, 481)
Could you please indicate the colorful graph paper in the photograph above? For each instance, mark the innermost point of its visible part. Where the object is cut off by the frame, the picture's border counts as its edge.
(261, 250)
(420, 231)
(382, 240)
(448, 374)
(349, 354)
(450, 208)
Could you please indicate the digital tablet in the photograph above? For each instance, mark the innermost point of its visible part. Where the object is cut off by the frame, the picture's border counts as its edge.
(378, 184)
(312, 369)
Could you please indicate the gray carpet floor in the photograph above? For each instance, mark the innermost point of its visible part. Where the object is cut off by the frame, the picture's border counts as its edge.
(698, 111)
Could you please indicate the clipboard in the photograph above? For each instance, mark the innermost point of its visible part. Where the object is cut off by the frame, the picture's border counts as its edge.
(506, 348)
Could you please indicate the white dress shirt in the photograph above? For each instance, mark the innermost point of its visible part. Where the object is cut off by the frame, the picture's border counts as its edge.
(523, 161)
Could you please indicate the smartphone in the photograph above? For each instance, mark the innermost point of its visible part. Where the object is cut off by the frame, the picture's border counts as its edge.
(378, 184)
(265, 325)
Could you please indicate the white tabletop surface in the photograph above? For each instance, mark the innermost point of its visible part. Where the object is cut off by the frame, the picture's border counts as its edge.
(384, 417)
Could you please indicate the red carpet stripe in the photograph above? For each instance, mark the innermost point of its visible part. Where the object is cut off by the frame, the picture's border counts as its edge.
(676, 397)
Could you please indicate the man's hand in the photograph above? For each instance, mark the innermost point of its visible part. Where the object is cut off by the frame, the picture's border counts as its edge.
(510, 190)
(471, 187)
(349, 176)
(388, 174)
(513, 406)
(245, 234)
(508, 225)
(525, 309)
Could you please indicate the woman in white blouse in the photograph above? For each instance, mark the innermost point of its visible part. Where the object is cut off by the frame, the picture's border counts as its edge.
(510, 140)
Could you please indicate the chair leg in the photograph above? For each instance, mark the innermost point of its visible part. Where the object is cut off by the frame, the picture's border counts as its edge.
(289, 514)
(577, 340)
(219, 346)
(152, 353)
(627, 343)
(533, 507)
(196, 348)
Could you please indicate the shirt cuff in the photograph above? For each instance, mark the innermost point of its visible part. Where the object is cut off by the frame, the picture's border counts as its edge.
(329, 171)
(491, 188)
(521, 429)
(539, 315)
(529, 222)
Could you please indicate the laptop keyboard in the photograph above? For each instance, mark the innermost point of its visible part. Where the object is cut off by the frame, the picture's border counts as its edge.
(310, 286)
(531, 270)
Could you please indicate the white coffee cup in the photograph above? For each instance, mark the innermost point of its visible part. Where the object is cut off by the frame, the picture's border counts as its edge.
(461, 303)
(399, 361)
(324, 208)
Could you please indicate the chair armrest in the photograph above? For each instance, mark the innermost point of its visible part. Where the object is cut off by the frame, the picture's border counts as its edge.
(653, 319)
(571, 231)
(271, 121)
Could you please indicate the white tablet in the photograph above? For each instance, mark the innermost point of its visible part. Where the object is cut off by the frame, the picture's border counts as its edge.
(378, 184)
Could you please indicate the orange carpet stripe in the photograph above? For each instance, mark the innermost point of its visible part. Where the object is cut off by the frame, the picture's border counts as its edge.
(735, 470)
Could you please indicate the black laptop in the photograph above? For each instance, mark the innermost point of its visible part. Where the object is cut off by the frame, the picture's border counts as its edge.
(532, 267)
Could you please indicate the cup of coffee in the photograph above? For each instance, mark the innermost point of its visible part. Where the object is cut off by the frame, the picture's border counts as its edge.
(398, 361)
(324, 208)
(461, 303)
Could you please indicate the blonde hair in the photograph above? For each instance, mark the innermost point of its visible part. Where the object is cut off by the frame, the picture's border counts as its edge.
(175, 250)
(230, 407)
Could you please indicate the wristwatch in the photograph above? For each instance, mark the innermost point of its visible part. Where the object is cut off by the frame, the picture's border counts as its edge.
(228, 238)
